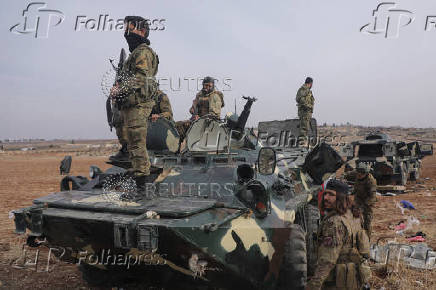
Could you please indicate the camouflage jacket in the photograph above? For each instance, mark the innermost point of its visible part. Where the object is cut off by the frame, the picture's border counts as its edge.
(335, 240)
(305, 99)
(162, 106)
(138, 83)
(210, 103)
(365, 191)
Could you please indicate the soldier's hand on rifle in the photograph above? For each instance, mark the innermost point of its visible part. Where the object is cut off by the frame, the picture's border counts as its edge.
(115, 90)
(154, 117)
(196, 117)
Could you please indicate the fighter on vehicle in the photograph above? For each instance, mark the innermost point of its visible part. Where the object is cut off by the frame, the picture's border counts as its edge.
(228, 212)
(208, 101)
(305, 102)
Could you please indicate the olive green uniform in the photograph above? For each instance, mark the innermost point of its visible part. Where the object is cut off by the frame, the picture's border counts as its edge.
(203, 104)
(338, 257)
(162, 106)
(120, 129)
(138, 87)
(365, 198)
(305, 102)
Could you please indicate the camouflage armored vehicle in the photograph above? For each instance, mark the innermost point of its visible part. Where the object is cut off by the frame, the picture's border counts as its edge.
(226, 212)
(391, 161)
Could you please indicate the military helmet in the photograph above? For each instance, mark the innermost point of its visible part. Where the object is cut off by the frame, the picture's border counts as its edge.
(208, 80)
(362, 168)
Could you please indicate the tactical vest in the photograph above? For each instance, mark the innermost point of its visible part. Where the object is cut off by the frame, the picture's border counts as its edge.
(203, 102)
(351, 271)
(203, 105)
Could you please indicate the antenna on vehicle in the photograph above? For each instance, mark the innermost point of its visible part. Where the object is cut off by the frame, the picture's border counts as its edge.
(235, 106)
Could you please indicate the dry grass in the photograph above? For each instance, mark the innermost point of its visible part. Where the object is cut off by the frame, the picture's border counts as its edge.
(405, 279)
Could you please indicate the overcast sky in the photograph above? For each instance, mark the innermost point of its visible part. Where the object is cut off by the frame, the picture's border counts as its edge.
(51, 87)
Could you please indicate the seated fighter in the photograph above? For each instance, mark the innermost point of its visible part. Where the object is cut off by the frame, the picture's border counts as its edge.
(208, 101)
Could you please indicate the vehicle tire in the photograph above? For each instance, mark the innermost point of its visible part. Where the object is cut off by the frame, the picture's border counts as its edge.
(113, 276)
(404, 176)
(414, 176)
(293, 273)
(95, 276)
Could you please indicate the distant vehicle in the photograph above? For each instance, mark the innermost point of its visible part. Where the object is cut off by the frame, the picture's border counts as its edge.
(227, 212)
(391, 162)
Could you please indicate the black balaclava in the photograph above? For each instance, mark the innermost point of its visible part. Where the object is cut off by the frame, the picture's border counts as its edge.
(133, 39)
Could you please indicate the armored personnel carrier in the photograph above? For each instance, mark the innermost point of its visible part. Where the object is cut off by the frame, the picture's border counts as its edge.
(391, 161)
(227, 212)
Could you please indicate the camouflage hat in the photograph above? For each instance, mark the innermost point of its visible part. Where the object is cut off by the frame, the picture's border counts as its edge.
(362, 168)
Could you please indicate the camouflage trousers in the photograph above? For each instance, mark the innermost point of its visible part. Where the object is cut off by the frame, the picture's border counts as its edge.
(135, 125)
(182, 128)
(367, 215)
(367, 221)
(121, 131)
(305, 116)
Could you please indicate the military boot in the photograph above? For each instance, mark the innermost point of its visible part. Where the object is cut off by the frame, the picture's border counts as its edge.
(142, 190)
(140, 184)
(122, 155)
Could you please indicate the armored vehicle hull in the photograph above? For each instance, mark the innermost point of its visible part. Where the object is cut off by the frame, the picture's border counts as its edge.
(236, 214)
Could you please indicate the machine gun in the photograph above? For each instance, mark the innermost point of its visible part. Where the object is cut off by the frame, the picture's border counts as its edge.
(109, 101)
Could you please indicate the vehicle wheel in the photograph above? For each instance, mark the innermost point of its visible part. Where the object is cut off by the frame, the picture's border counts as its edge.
(414, 176)
(94, 276)
(404, 176)
(293, 273)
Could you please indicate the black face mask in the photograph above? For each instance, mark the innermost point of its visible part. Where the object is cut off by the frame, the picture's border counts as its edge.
(134, 40)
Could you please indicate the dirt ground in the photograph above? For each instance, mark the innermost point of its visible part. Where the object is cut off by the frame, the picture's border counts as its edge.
(28, 175)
